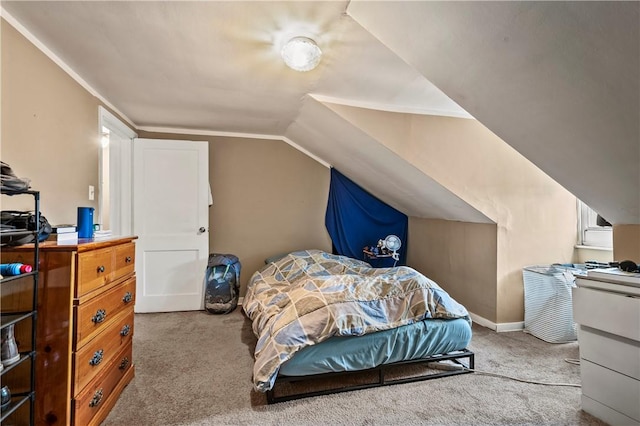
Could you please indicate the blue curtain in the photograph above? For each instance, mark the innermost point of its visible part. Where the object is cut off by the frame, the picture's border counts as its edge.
(356, 219)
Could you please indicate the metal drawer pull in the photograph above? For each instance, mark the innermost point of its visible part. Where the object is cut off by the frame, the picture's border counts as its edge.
(127, 297)
(127, 259)
(100, 315)
(97, 397)
(101, 268)
(97, 357)
(124, 363)
(125, 330)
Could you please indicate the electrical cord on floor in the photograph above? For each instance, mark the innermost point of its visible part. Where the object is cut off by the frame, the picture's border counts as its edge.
(572, 361)
(455, 367)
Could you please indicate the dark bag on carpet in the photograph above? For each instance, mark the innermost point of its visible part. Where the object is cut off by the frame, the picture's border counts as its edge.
(222, 283)
(15, 220)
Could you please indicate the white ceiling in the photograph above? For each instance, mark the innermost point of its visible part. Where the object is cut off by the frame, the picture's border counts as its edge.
(215, 66)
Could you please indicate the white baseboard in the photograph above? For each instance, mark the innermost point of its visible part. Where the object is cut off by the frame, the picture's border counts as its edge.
(240, 300)
(501, 327)
(510, 326)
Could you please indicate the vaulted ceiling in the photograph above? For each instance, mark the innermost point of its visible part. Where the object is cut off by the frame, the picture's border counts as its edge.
(558, 81)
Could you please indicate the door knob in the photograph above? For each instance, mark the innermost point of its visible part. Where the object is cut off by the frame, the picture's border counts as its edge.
(202, 229)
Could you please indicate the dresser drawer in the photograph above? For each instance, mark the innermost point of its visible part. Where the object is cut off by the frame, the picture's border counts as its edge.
(610, 351)
(125, 256)
(614, 313)
(95, 269)
(94, 315)
(611, 388)
(99, 352)
(89, 402)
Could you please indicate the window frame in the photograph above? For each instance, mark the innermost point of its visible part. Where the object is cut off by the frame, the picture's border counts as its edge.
(590, 234)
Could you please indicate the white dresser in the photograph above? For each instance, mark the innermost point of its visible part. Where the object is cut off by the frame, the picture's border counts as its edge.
(606, 306)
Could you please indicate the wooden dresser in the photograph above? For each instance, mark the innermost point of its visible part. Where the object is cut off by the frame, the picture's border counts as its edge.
(85, 327)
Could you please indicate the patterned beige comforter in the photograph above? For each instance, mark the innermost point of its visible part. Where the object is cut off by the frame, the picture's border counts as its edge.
(308, 296)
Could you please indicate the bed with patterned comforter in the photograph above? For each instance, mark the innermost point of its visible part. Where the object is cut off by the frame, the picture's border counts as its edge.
(310, 296)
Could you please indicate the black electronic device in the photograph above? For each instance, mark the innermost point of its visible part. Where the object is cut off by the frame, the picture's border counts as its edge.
(629, 266)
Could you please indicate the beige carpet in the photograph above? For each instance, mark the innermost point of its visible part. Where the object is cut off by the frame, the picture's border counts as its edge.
(194, 368)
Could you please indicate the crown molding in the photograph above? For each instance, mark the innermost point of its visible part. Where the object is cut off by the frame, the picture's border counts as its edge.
(201, 132)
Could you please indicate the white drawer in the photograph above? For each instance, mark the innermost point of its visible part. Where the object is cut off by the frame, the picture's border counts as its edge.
(607, 414)
(615, 390)
(611, 312)
(616, 353)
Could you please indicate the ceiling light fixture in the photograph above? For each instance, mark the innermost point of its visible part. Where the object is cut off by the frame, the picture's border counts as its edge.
(301, 54)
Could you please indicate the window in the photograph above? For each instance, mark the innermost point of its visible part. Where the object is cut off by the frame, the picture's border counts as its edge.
(592, 234)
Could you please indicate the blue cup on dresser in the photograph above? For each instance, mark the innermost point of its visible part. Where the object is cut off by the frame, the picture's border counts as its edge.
(85, 222)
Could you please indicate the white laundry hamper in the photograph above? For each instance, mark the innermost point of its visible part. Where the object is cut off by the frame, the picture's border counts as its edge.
(548, 305)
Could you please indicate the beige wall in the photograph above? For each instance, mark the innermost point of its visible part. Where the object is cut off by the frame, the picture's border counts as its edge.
(626, 242)
(461, 257)
(268, 198)
(535, 217)
(49, 129)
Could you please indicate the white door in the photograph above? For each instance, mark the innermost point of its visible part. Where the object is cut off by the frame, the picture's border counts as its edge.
(171, 220)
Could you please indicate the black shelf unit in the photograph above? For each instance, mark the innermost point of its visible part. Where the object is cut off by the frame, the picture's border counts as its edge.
(7, 319)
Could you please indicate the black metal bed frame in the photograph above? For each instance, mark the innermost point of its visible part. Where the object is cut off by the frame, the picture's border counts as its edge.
(455, 356)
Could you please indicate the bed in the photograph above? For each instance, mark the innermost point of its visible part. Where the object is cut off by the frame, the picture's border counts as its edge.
(317, 314)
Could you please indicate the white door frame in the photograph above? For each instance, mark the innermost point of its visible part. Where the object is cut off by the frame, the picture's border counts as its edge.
(121, 207)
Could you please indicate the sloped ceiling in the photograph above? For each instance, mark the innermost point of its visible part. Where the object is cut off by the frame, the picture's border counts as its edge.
(558, 81)
(374, 167)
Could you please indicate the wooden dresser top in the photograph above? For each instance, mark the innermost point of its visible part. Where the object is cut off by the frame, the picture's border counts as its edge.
(79, 245)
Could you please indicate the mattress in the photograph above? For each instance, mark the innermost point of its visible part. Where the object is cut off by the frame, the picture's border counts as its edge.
(408, 342)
